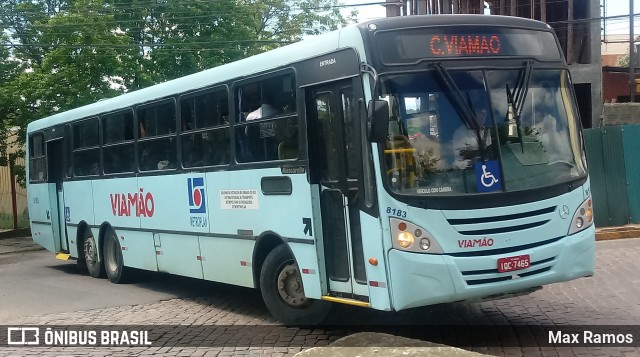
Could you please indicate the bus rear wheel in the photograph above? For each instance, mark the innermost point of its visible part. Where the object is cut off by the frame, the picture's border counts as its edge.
(283, 292)
(94, 265)
(113, 261)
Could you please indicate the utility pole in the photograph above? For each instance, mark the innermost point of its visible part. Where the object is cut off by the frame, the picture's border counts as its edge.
(12, 176)
(393, 8)
(570, 55)
(632, 57)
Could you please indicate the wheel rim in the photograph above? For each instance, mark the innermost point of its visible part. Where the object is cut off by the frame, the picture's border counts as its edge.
(90, 251)
(111, 261)
(290, 286)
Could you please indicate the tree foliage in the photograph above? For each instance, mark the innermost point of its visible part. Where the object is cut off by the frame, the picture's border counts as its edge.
(61, 54)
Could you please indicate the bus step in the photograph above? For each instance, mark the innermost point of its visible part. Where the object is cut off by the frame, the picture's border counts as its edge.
(63, 256)
(346, 301)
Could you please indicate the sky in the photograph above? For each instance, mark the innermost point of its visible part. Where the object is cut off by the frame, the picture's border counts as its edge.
(612, 8)
(620, 7)
(365, 13)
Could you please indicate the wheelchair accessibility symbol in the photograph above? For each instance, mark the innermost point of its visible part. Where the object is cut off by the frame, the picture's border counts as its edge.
(488, 176)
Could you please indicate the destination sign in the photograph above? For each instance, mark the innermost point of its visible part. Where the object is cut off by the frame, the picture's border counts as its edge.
(401, 47)
(458, 45)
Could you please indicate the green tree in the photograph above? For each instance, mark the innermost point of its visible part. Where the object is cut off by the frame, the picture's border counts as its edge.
(62, 54)
(9, 70)
(623, 61)
(81, 62)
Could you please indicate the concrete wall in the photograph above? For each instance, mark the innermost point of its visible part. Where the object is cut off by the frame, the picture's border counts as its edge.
(616, 85)
(591, 73)
(621, 113)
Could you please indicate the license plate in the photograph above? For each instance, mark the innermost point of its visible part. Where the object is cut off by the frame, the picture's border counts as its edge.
(514, 263)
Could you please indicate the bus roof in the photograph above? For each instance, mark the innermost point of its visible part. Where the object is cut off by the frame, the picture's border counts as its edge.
(455, 20)
(279, 57)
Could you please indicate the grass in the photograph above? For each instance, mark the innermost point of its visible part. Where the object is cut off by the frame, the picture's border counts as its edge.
(6, 220)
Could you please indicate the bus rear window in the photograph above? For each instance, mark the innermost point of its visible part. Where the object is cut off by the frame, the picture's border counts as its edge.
(412, 46)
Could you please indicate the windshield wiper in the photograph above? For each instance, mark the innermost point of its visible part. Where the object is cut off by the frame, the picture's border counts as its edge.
(460, 105)
(517, 104)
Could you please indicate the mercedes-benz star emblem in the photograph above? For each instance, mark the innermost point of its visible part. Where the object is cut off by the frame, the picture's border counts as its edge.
(564, 211)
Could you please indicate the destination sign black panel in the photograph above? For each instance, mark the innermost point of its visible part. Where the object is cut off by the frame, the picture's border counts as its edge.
(414, 45)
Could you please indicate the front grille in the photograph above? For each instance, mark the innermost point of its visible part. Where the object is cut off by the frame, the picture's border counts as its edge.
(535, 218)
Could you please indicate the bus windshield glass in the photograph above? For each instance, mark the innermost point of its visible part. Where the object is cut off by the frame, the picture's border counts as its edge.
(472, 131)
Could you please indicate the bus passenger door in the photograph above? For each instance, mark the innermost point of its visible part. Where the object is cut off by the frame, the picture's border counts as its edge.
(333, 155)
(56, 211)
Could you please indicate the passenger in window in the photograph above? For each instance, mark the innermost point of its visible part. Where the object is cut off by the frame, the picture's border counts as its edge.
(267, 109)
(95, 169)
(166, 161)
(149, 158)
(143, 131)
(163, 164)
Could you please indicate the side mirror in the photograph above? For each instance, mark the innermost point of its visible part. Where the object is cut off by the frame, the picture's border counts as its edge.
(378, 116)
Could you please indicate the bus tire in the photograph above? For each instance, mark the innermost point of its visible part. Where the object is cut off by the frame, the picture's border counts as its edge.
(283, 293)
(94, 265)
(113, 261)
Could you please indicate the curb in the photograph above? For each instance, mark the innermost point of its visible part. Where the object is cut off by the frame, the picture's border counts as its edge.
(617, 233)
(373, 344)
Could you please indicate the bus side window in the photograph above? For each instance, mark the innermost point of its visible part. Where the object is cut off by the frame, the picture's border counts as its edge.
(86, 148)
(157, 144)
(205, 129)
(267, 129)
(117, 139)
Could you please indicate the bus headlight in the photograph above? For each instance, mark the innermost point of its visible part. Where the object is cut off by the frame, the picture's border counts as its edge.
(405, 239)
(583, 218)
(413, 238)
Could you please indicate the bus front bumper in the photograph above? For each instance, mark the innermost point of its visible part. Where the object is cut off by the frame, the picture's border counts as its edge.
(426, 279)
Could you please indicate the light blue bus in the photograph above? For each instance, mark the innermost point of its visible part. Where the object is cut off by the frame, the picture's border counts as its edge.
(398, 163)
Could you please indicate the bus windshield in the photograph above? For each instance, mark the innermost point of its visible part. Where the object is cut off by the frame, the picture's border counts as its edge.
(455, 132)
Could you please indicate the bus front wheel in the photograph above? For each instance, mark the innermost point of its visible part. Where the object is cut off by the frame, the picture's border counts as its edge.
(113, 262)
(94, 265)
(283, 293)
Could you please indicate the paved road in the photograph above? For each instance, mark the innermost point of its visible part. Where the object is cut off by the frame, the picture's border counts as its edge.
(36, 283)
(243, 326)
